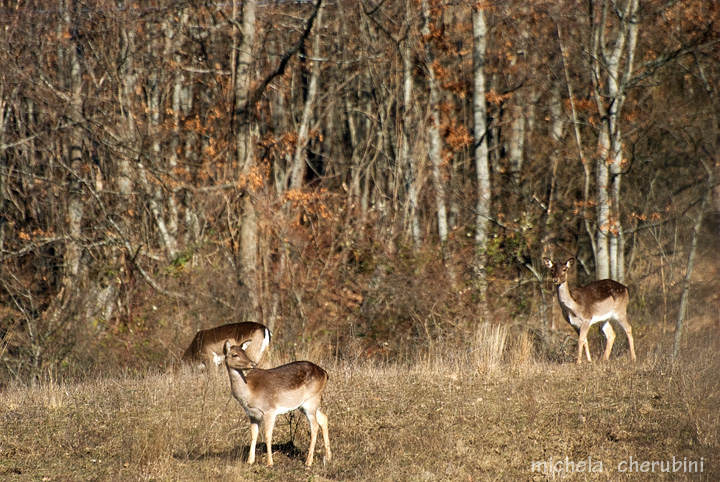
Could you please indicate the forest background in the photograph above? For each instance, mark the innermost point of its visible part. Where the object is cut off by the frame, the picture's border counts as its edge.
(370, 179)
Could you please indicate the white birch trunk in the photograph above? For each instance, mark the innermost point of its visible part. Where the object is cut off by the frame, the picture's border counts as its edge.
(612, 69)
(480, 151)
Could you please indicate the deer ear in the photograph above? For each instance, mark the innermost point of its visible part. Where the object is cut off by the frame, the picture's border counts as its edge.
(548, 262)
(226, 347)
(570, 262)
(245, 345)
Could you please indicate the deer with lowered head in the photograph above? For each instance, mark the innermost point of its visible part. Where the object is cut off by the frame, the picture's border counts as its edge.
(597, 302)
(265, 394)
(206, 349)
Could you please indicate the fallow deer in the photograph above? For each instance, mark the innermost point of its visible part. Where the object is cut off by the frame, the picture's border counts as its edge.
(597, 302)
(207, 347)
(265, 394)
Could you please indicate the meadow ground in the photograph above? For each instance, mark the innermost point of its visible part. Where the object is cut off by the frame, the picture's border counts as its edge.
(444, 417)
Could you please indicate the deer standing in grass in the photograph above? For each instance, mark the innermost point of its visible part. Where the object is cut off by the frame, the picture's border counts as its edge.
(598, 302)
(207, 347)
(265, 394)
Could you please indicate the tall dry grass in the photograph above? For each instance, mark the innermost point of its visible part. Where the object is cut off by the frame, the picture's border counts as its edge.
(481, 414)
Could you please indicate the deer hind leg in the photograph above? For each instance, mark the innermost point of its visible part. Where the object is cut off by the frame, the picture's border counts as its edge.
(323, 421)
(312, 419)
(610, 338)
(587, 350)
(622, 319)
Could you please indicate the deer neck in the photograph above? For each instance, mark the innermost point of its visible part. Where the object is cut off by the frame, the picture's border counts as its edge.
(238, 384)
(565, 298)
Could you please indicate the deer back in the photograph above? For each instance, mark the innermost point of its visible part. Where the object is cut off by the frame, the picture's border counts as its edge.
(208, 344)
(600, 297)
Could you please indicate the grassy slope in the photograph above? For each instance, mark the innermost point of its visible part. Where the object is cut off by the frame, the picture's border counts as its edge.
(431, 421)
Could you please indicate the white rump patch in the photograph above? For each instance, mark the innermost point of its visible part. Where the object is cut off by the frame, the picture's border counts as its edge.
(266, 341)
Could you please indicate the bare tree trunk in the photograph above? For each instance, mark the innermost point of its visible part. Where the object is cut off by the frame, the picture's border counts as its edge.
(556, 136)
(166, 237)
(602, 211)
(245, 157)
(161, 202)
(248, 259)
(300, 158)
(406, 158)
(167, 193)
(75, 208)
(611, 70)
(4, 171)
(715, 200)
(516, 143)
(41, 327)
(579, 145)
(435, 142)
(682, 311)
(245, 130)
(355, 158)
(243, 62)
(125, 182)
(480, 150)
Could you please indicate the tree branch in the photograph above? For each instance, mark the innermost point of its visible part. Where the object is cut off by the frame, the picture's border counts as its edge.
(254, 96)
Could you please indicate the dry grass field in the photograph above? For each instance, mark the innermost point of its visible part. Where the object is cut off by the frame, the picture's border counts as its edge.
(487, 415)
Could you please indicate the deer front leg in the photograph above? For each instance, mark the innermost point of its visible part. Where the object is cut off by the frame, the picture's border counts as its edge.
(269, 426)
(582, 342)
(254, 429)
